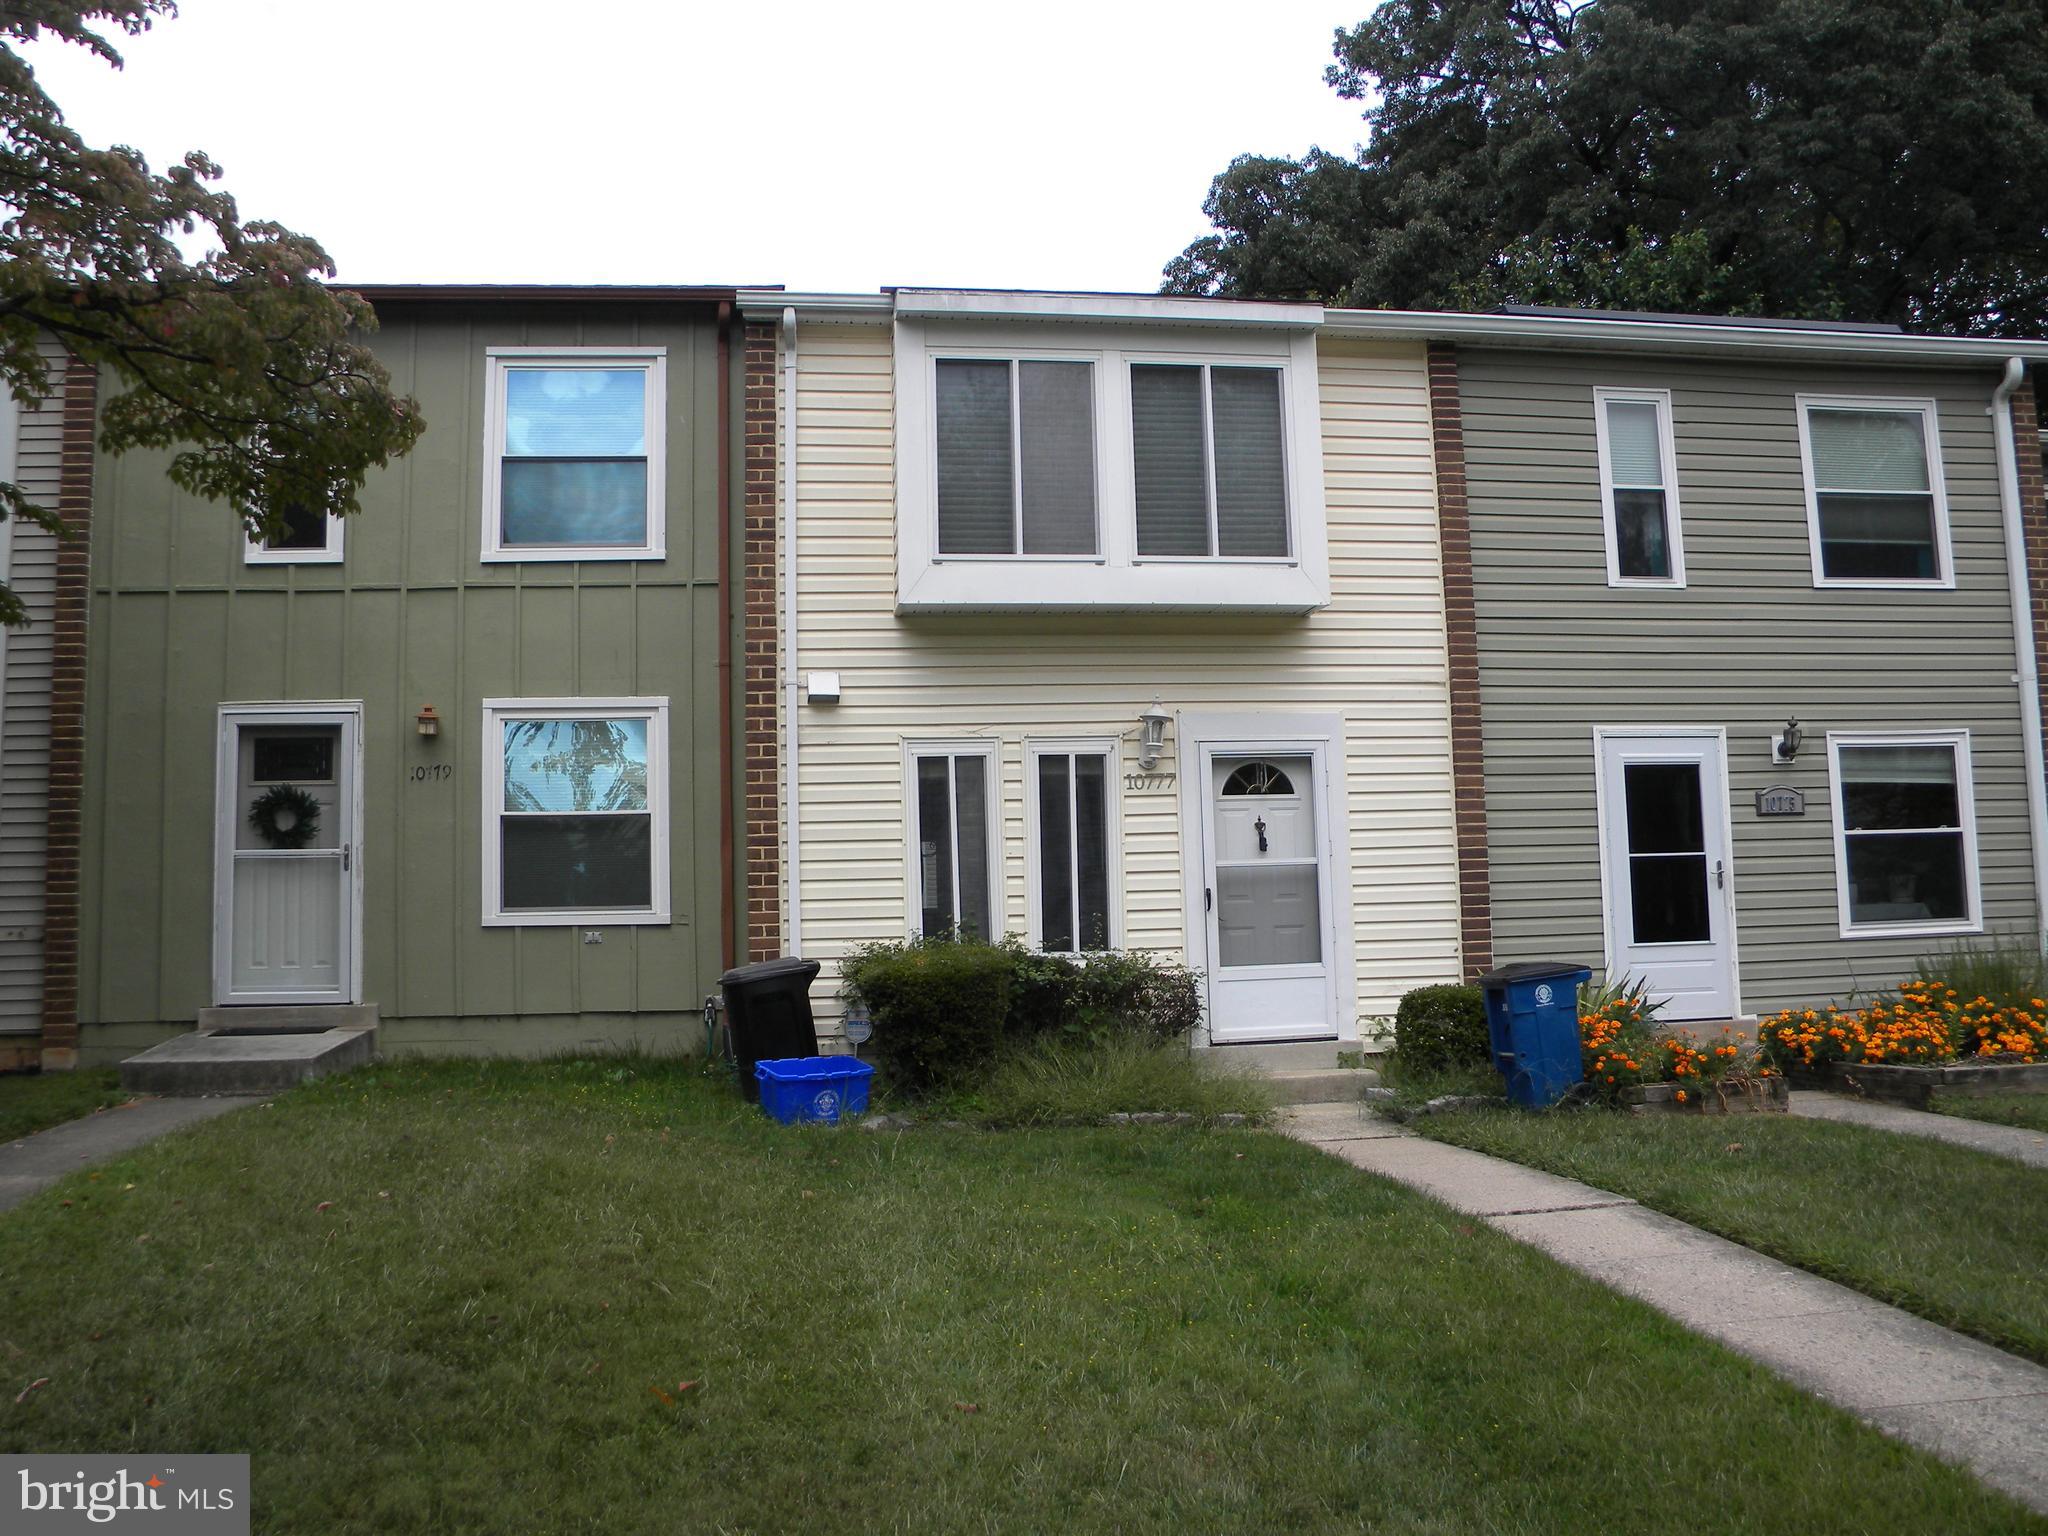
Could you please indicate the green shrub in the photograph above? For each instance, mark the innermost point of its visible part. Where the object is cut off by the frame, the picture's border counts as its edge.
(1442, 1029)
(939, 1004)
(943, 1006)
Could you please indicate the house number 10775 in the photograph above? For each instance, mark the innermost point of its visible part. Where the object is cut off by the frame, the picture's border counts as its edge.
(427, 773)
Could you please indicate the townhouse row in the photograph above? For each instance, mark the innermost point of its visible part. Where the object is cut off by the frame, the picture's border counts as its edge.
(1333, 652)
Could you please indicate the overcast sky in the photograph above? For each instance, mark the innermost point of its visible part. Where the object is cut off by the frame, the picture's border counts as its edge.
(823, 146)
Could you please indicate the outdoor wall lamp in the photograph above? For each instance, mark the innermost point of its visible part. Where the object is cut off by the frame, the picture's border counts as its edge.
(430, 723)
(1152, 735)
(1785, 745)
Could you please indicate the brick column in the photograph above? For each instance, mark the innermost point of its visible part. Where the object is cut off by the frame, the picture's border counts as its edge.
(762, 920)
(1454, 525)
(67, 721)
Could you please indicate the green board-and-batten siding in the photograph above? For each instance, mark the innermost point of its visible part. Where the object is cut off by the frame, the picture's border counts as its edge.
(180, 624)
(1748, 643)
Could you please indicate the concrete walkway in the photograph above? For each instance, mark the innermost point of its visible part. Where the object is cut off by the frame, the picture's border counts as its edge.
(1999, 1140)
(1961, 1400)
(33, 1164)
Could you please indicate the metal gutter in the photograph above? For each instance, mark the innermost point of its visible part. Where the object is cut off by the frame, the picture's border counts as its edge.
(1112, 308)
(791, 702)
(535, 293)
(1760, 338)
(728, 901)
(774, 303)
(2027, 671)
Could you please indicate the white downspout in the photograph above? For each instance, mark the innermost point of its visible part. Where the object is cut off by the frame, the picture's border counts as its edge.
(2027, 669)
(793, 856)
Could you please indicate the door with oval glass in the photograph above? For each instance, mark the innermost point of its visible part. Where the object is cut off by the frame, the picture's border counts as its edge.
(1269, 961)
(1664, 826)
(286, 857)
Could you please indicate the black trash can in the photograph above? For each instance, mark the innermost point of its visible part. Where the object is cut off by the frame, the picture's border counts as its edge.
(768, 1014)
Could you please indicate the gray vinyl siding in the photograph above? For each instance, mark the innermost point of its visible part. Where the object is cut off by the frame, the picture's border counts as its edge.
(25, 713)
(1746, 644)
(412, 616)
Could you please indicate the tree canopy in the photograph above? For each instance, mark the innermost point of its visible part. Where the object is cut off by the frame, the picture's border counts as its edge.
(1826, 159)
(239, 358)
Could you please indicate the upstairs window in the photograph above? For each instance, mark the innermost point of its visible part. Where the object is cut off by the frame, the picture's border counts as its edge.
(1638, 487)
(1907, 854)
(1210, 461)
(1876, 510)
(308, 538)
(574, 454)
(1016, 449)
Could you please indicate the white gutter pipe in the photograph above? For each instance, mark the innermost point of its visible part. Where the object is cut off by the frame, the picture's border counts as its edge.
(2027, 672)
(793, 855)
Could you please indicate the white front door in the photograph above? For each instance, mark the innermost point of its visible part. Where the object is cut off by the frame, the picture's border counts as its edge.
(1268, 939)
(286, 843)
(1664, 831)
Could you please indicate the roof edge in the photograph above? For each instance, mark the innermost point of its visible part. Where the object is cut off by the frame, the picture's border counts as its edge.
(538, 293)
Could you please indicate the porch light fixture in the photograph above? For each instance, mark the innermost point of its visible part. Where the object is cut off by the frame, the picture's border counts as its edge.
(1785, 745)
(1152, 735)
(430, 723)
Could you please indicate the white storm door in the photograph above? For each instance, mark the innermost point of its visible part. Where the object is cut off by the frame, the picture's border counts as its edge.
(1269, 940)
(1664, 831)
(285, 908)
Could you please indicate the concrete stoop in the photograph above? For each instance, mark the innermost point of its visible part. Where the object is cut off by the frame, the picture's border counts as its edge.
(1298, 1072)
(250, 1053)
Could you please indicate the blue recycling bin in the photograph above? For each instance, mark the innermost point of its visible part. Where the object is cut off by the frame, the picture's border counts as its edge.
(1532, 1017)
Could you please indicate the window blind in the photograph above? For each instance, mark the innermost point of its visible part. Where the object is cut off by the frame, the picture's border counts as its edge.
(1056, 429)
(1870, 451)
(1251, 464)
(1635, 457)
(1170, 459)
(975, 466)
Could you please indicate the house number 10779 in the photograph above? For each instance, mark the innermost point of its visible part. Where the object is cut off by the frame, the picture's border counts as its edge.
(427, 773)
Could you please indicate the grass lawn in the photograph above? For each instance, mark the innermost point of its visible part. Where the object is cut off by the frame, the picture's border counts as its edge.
(34, 1101)
(2028, 1111)
(584, 1297)
(1954, 1235)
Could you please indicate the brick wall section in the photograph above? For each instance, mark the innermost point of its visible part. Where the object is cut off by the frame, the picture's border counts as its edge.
(1475, 921)
(2026, 428)
(67, 723)
(762, 920)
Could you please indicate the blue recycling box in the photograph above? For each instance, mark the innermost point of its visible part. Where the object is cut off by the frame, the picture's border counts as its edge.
(1532, 1017)
(821, 1088)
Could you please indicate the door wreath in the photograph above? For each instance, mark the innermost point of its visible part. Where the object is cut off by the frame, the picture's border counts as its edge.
(285, 816)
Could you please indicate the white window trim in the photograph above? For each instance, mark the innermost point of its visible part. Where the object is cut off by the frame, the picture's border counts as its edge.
(1930, 427)
(984, 748)
(1667, 451)
(1115, 578)
(255, 553)
(1083, 746)
(497, 362)
(1966, 809)
(655, 712)
(1013, 356)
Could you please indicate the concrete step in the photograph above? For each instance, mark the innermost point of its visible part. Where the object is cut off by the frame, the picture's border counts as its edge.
(1297, 1071)
(287, 1019)
(219, 1063)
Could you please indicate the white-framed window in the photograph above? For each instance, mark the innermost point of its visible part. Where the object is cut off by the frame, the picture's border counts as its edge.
(1639, 487)
(309, 538)
(1905, 833)
(953, 795)
(1015, 444)
(1070, 813)
(1209, 460)
(574, 453)
(1876, 506)
(1142, 465)
(575, 798)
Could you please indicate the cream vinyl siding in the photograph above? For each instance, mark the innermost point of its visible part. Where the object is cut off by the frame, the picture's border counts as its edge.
(1376, 656)
(25, 714)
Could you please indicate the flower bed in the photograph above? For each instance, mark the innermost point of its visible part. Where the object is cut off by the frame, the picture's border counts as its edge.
(1923, 1023)
(1623, 1049)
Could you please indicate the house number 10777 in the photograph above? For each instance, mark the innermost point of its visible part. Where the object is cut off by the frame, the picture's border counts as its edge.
(1148, 781)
